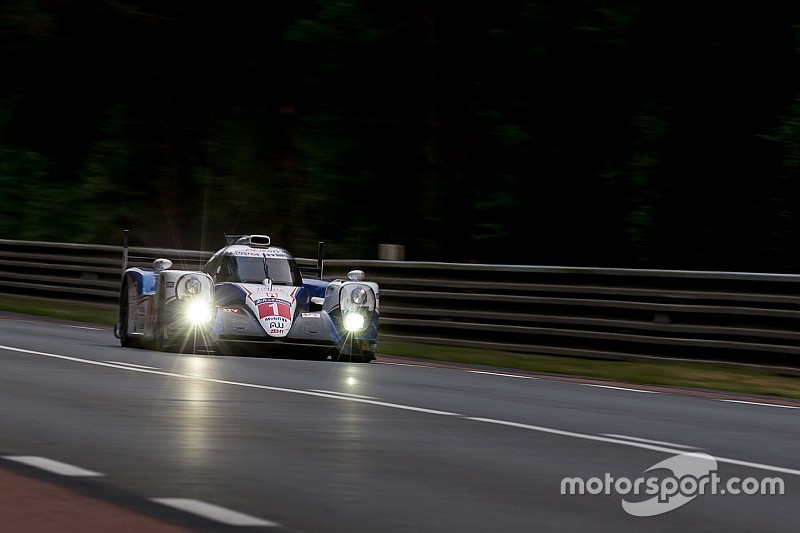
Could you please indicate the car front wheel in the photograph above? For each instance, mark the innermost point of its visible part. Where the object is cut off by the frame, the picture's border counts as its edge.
(124, 315)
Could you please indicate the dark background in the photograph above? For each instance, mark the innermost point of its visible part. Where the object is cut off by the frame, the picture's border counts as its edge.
(591, 133)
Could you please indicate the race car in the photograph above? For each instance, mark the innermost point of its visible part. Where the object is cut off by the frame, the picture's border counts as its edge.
(251, 298)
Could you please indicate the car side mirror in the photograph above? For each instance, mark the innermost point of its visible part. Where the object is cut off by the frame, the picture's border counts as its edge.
(162, 264)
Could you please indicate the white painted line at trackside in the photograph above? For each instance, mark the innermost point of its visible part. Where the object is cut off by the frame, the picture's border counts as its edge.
(619, 388)
(55, 467)
(501, 374)
(762, 404)
(214, 512)
(82, 327)
(552, 431)
(339, 396)
(130, 364)
(348, 394)
(649, 441)
(642, 445)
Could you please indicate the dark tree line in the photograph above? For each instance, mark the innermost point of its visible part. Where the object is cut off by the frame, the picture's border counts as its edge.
(602, 133)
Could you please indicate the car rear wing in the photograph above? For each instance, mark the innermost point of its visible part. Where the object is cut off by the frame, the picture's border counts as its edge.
(315, 271)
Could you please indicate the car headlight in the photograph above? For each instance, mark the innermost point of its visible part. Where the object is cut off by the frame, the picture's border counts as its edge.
(358, 296)
(357, 303)
(354, 322)
(193, 286)
(199, 312)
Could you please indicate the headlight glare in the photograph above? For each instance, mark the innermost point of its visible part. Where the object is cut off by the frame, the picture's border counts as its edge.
(199, 312)
(354, 322)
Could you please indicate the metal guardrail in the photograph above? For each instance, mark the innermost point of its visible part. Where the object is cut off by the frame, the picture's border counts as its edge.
(584, 312)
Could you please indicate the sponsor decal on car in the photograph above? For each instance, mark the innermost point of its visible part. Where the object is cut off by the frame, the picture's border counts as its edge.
(267, 300)
(271, 309)
(260, 253)
(259, 295)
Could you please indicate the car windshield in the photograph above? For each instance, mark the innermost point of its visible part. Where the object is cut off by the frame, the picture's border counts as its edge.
(254, 269)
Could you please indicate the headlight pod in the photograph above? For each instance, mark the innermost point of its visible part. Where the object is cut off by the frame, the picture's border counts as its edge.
(193, 286)
(356, 297)
(357, 303)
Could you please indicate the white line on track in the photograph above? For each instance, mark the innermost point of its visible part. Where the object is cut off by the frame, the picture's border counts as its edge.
(762, 404)
(642, 445)
(206, 510)
(349, 395)
(501, 374)
(214, 512)
(619, 388)
(552, 431)
(130, 364)
(55, 467)
(638, 439)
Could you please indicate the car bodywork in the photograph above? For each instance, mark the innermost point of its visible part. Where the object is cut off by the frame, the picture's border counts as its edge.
(250, 298)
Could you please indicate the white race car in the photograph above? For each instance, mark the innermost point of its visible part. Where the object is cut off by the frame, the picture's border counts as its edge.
(250, 298)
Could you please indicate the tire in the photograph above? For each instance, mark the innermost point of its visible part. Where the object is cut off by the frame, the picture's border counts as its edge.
(125, 339)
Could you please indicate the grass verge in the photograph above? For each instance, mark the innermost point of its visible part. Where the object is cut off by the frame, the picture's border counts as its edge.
(675, 374)
(678, 374)
(78, 312)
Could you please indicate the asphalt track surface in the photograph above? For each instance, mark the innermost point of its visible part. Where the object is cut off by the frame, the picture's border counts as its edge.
(96, 437)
